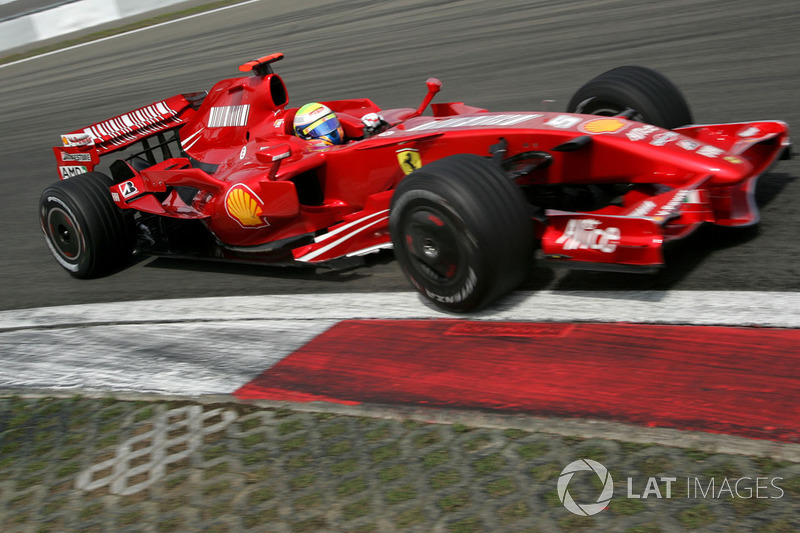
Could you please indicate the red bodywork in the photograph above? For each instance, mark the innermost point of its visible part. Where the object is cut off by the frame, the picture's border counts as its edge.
(258, 186)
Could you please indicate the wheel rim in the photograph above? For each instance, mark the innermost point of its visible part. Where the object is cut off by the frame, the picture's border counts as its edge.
(607, 109)
(64, 234)
(433, 245)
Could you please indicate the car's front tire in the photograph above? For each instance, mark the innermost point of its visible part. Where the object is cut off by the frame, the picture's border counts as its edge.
(461, 232)
(653, 98)
(86, 232)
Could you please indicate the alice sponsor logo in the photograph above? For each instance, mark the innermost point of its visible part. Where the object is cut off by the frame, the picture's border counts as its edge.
(586, 234)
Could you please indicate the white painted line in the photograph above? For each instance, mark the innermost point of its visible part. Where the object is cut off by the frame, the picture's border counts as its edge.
(81, 45)
(732, 308)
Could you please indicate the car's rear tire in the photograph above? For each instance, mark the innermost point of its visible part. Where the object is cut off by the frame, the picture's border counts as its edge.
(654, 98)
(87, 233)
(462, 232)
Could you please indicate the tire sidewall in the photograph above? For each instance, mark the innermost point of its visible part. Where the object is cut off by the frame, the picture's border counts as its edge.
(468, 287)
(53, 202)
(652, 95)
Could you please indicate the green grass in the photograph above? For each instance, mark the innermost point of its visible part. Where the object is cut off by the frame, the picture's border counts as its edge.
(144, 414)
(290, 426)
(253, 439)
(514, 434)
(477, 443)
(697, 517)
(743, 507)
(302, 481)
(410, 517)
(401, 494)
(436, 458)
(215, 452)
(256, 457)
(594, 452)
(723, 470)
(501, 487)
(333, 429)
(655, 465)
(216, 470)
(392, 473)
(471, 524)
(308, 501)
(295, 443)
(512, 512)
(218, 487)
(454, 502)
(344, 467)
(69, 469)
(532, 450)
(385, 453)
(378, 433)
(299, 461)
(261, 495)
(644, 528)
(427, 439)
(489, 464)
(445, 478)
(352, 486)
(339, 448)
(356, 509)
(626, 506)
(546, 472)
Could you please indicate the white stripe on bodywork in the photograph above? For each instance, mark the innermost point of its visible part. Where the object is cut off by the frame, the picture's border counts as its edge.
(190, 137)
(316, 253)
(337, 231)
(371, 249)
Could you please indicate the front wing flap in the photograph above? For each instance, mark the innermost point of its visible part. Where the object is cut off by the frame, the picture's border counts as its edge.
(631, 238)
(609, 240)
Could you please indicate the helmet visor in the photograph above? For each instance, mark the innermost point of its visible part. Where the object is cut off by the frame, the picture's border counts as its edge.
(322, 127)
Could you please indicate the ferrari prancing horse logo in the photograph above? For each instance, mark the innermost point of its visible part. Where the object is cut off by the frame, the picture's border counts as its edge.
(409, 160)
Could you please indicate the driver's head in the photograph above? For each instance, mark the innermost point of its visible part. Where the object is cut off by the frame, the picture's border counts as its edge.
(317, 121)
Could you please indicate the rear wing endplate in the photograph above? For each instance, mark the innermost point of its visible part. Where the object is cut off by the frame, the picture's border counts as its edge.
(81, 149)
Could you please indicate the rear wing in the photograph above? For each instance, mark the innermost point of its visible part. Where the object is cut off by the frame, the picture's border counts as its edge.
(81, 150)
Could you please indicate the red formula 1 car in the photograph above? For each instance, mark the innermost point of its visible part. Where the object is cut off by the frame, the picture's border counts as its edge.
(464, 196)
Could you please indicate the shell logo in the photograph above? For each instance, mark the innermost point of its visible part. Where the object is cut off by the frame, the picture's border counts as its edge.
(604, 125)
(244, 206)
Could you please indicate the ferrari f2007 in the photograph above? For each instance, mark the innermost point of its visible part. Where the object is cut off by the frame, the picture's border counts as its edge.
(464, 196)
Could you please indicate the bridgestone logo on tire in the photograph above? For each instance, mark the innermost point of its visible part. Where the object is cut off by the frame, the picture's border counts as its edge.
(460, 296)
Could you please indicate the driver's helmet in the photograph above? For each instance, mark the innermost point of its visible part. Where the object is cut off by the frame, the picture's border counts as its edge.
(317, 121)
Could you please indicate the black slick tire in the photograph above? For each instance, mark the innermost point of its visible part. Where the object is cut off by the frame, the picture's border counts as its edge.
(461, 232)
(653, 97)
(86, 232)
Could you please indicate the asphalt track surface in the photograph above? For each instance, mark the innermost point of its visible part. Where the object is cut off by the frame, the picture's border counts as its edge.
(734, 61)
